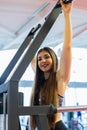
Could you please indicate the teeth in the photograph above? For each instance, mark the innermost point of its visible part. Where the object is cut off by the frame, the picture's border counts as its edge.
(44, 65)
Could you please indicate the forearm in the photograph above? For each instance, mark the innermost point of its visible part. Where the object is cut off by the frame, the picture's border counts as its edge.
(67, 31)
(68, 25)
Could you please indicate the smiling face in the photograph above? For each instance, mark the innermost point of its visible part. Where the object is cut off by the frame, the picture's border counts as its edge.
(44, 61)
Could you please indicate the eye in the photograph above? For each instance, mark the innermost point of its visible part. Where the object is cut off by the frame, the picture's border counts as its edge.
(47, 56)
(39, 58)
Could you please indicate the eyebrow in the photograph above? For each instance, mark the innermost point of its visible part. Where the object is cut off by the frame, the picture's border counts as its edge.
(44, 55)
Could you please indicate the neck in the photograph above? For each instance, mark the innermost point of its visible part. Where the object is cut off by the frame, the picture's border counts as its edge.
(46, 75)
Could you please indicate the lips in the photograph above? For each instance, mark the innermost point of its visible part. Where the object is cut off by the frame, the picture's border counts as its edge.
(44, 65)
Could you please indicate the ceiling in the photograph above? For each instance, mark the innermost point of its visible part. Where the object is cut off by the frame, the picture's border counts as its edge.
(18, 17)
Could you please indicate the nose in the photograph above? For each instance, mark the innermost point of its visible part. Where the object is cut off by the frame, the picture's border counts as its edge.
(43, 60)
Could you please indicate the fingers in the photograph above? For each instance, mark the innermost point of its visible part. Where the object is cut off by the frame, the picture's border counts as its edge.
(66, 7)
(66, 2)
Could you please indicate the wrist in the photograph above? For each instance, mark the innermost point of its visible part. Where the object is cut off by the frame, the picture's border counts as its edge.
(67, 14)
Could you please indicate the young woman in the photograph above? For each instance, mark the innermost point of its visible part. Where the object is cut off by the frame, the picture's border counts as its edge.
(51, 81)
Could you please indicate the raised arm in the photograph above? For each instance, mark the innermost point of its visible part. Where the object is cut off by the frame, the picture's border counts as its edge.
(33, 64)
(66, 54)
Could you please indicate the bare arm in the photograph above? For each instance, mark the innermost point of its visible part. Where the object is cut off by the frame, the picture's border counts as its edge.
(66, 55)
(33, 64)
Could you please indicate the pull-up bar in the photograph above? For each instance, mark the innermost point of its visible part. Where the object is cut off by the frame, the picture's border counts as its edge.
(49, 109)
(43, 111)
(72, 108)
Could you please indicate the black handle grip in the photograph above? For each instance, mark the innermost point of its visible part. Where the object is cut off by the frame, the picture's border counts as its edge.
(67, 1)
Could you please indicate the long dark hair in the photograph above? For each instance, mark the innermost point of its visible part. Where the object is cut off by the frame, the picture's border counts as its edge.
(46, 89)
(39, 76)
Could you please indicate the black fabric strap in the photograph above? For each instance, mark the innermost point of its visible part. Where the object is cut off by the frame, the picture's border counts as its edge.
(60, 96)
